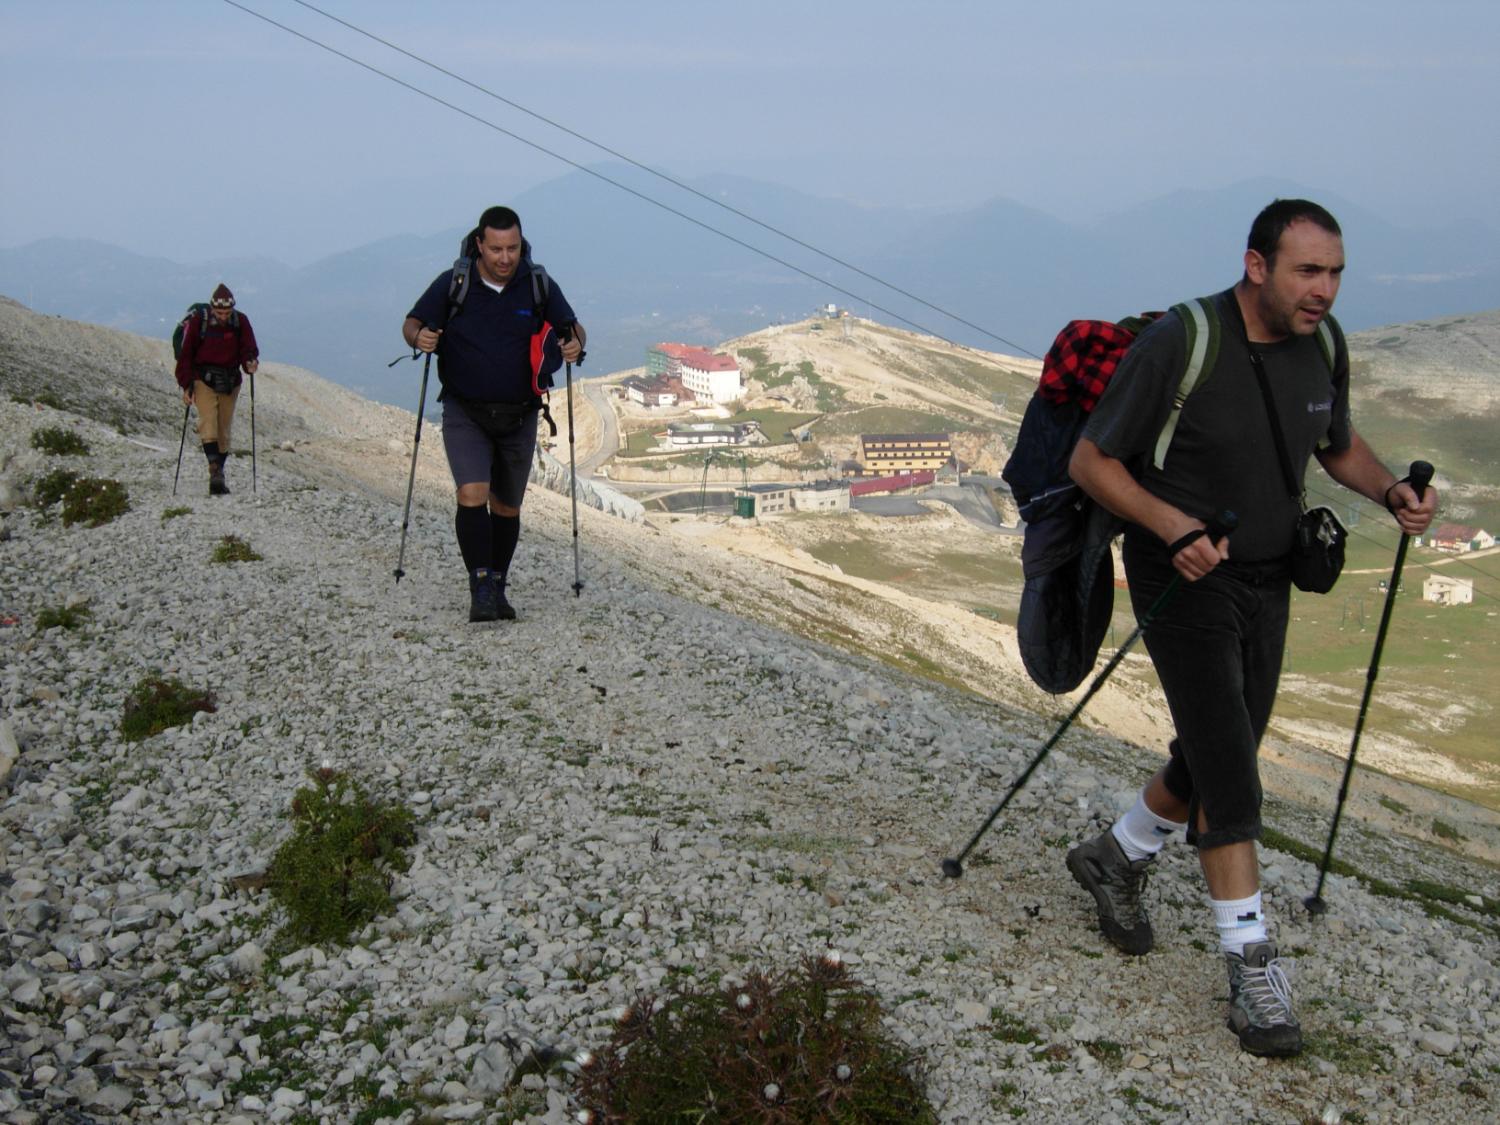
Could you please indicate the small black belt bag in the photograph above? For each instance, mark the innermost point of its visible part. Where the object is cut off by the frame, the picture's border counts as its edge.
(496, 419)
(1317, 555)
(220, 380)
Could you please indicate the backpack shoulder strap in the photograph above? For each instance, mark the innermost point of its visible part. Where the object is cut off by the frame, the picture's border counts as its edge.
(458, 278)
(1328, 343)
(541, 290)
(1201, 320)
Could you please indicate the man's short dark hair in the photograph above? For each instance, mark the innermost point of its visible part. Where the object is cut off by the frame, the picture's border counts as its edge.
(1271, 223)
(498, 218)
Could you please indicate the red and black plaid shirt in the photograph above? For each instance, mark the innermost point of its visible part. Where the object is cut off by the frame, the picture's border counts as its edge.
(1083, 358)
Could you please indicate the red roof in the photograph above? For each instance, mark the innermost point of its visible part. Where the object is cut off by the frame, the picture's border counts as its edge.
(1456, 532)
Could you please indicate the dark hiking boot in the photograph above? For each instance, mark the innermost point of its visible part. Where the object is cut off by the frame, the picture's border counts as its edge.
(1101, 868)
(484, 596)
(504, 611)
(1260, 1003)
(216, 484)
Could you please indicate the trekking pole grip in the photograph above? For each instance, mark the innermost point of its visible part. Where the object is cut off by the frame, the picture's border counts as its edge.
(1419, 476)
(1222, 526)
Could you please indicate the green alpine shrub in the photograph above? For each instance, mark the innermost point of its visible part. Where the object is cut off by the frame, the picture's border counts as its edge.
(803, 1046)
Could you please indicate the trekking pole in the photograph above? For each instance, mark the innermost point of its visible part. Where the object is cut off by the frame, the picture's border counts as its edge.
(412, 479)
(181, 445)
(254, 480)
(1419, 477)
(1219, 527)
(565, 334)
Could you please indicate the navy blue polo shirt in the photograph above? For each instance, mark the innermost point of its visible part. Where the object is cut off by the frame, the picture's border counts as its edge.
(485, 353)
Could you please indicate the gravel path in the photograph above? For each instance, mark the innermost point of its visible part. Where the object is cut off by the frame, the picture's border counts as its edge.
(618, 792)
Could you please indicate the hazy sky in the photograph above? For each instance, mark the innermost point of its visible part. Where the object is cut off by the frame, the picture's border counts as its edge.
(189, 129)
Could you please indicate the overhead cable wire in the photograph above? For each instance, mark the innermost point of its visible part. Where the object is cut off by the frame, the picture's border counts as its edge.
(667, 179)
(595, 174)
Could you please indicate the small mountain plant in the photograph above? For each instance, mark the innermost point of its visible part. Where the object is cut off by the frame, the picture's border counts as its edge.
(334, 875)
(52, 487)
(234, 549)
(803, 1046)
(156, 704)
(94, 501)
(59, 442)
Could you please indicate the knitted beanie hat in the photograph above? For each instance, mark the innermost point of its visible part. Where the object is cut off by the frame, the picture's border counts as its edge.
(223, 298)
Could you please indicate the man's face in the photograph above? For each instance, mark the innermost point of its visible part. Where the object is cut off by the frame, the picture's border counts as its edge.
(499, 254)
(221, 313)
(1298, 290)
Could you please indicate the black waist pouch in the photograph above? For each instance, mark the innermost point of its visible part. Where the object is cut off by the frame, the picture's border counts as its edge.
(220, 380)
(496, 419)
(1318, 550)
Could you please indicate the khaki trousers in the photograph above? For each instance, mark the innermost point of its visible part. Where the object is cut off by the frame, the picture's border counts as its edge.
(215, 411)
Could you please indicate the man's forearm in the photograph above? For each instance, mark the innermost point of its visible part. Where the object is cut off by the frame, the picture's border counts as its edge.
(1358, 469)
(1109, 483)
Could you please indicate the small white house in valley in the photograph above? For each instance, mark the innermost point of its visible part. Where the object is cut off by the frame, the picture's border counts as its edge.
(1440, 589)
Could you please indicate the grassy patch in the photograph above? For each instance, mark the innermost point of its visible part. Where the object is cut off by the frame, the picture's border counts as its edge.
(1431, 897)
(63, 616)
(1009, 1029)
(94, 501)
(1348, 1052)
(805, 1045)
(1445, 831)
(233, 549)
(156, 704)
(59, 442)
(53, 486)
(173, 513)
(334, 874)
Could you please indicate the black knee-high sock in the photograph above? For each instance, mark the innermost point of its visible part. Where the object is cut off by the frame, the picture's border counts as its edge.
(211, 451)
(473, 528)
(505, 533)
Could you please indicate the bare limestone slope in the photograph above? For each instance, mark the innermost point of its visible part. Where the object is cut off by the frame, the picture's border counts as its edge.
(659, 781)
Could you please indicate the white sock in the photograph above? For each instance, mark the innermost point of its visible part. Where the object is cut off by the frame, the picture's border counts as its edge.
(1141, 833)
(1240, 922)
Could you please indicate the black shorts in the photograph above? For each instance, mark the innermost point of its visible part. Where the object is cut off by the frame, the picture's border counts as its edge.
(1217, 645)
(502, 458)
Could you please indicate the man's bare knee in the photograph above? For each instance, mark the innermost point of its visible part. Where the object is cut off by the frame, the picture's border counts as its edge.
(500, 509)
(473, 495)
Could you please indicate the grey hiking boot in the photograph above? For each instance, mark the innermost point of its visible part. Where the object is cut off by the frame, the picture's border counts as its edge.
(1260, 1003)
(1102, 869)
(484, 596)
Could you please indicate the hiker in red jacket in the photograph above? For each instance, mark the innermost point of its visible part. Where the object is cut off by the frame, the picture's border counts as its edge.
(215, 349)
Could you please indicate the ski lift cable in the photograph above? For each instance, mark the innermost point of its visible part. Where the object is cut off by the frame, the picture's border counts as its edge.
(666, 178)
(597, 175)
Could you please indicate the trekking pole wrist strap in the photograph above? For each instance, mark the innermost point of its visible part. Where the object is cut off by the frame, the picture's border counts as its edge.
(1389, 507)
(1187, 540)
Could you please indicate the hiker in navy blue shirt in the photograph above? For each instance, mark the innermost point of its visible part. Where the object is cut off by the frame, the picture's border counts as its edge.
(489, 357)
(1217, 642)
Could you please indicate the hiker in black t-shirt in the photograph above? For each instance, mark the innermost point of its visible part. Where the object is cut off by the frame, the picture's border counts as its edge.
(1217, 641)
(490, 399)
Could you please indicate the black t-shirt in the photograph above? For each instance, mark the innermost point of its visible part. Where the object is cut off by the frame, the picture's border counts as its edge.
(1223, 454)
(486, 350)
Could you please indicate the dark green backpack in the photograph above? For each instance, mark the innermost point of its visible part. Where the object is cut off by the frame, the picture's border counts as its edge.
(200, 310)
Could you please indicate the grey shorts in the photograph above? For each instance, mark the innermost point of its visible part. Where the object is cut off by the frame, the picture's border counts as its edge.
(503, 460)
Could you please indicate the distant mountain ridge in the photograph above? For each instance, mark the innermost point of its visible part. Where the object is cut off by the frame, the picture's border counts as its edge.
(637, 274)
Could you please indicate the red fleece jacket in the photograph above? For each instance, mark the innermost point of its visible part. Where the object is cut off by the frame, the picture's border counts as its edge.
(215, 346)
